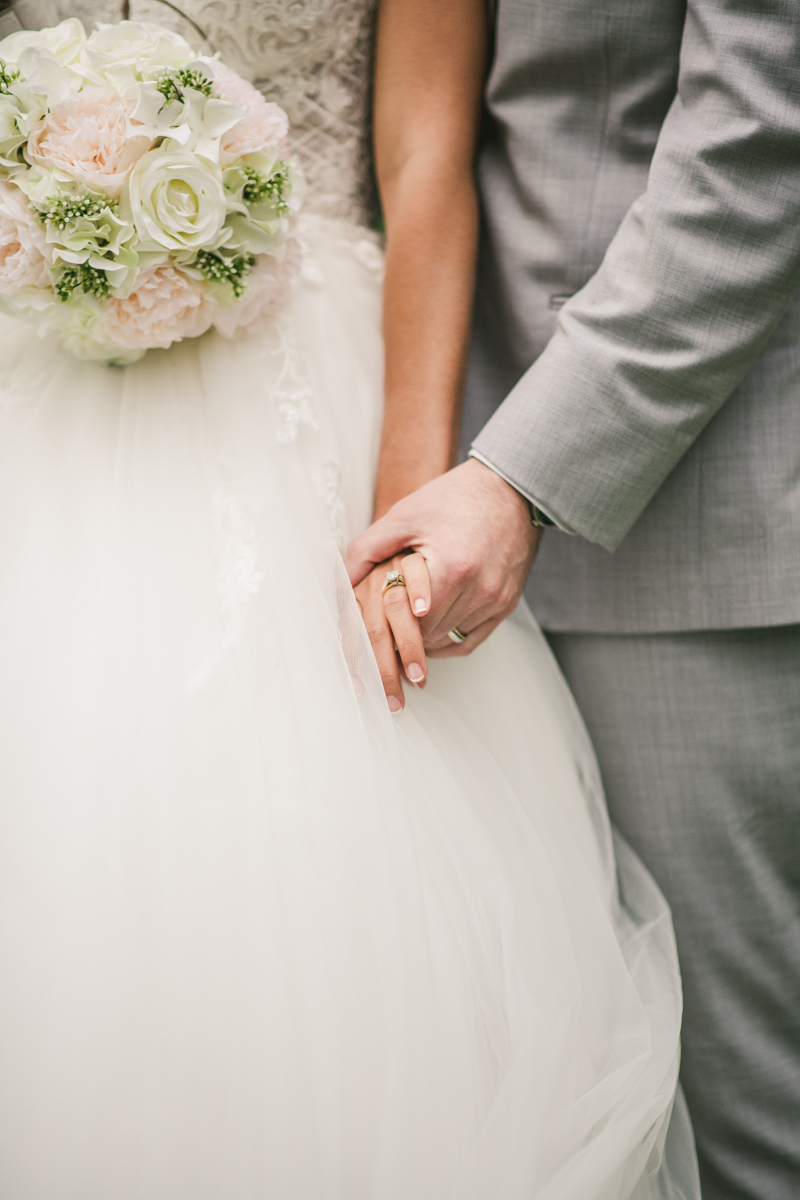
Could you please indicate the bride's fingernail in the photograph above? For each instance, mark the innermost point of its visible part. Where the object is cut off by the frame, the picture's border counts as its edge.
(415, 672)
(394, 704)
(420, 606)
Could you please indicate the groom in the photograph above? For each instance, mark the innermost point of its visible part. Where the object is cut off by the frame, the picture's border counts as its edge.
(636, 374)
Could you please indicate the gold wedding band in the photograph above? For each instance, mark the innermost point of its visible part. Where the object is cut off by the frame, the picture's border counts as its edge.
(456, 636)
(393, 579)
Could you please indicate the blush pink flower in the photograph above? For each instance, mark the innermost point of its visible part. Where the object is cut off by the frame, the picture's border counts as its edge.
(266, 288)
(23, 264)
(166, 306)
(264, 125)
(86, 136)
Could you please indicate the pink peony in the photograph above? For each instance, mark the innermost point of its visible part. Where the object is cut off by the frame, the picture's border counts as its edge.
(22, 244)
(266, 288)
(264, 125)
(165, 306)
(86, 136)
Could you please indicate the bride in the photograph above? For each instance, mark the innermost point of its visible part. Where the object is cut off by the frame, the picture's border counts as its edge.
(260, 939)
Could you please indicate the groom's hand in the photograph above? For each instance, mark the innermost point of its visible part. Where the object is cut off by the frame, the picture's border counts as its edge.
(476, 534)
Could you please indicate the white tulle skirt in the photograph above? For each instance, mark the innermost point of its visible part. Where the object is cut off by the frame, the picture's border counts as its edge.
(259, 939)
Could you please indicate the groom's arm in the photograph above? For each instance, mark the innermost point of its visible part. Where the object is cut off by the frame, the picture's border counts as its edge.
(701, 269)
(699, 273)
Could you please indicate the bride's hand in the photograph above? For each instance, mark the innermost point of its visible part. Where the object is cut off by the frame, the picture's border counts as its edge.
(392, 621)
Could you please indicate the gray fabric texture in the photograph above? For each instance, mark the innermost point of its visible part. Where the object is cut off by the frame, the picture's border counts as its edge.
(697, 739)
(640, 186)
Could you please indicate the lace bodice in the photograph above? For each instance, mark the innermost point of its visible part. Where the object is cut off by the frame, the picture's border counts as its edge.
(313, 57)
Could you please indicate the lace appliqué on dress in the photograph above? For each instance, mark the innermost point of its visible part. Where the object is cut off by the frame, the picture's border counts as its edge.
(239, 575)
(330, 489)
(292, 392)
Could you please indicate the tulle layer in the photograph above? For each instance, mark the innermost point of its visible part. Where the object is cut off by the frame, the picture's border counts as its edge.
(259, 940)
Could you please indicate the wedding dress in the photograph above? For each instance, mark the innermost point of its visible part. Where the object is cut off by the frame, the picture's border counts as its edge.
(259, 939)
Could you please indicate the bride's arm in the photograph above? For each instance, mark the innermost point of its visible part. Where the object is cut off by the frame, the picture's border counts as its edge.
(430, 68)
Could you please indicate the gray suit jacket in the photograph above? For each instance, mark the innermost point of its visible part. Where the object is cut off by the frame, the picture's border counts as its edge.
(637, 296)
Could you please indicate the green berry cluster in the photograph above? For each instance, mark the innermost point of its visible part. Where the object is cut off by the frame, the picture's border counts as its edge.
(6, 77)
(217, 269)
(256, 187)
(260, 187)
(172, 83)
(83, 278)
(63, 208)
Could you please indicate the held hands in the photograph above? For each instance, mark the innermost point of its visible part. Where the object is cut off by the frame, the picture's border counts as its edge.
(474, 533)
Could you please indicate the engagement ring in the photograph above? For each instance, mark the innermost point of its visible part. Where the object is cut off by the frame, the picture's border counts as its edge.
(393, 579)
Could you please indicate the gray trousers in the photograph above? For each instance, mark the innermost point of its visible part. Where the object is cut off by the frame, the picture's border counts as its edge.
(698, 737)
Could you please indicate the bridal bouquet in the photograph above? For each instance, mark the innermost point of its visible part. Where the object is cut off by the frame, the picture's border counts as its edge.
(145, 191)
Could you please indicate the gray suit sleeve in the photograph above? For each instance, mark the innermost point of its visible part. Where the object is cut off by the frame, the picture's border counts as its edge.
(699, 272)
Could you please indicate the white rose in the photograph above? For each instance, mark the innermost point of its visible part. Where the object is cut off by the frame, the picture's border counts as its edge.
(64, 41)
(177, 201)
(118, 55)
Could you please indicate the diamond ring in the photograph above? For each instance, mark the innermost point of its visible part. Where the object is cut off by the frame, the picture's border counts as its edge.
(393, 579)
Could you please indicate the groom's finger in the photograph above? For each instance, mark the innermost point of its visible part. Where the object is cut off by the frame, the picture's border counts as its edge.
(467, 609)
(487, 595)
(472, 610)
(380, 542)
(474, 638)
